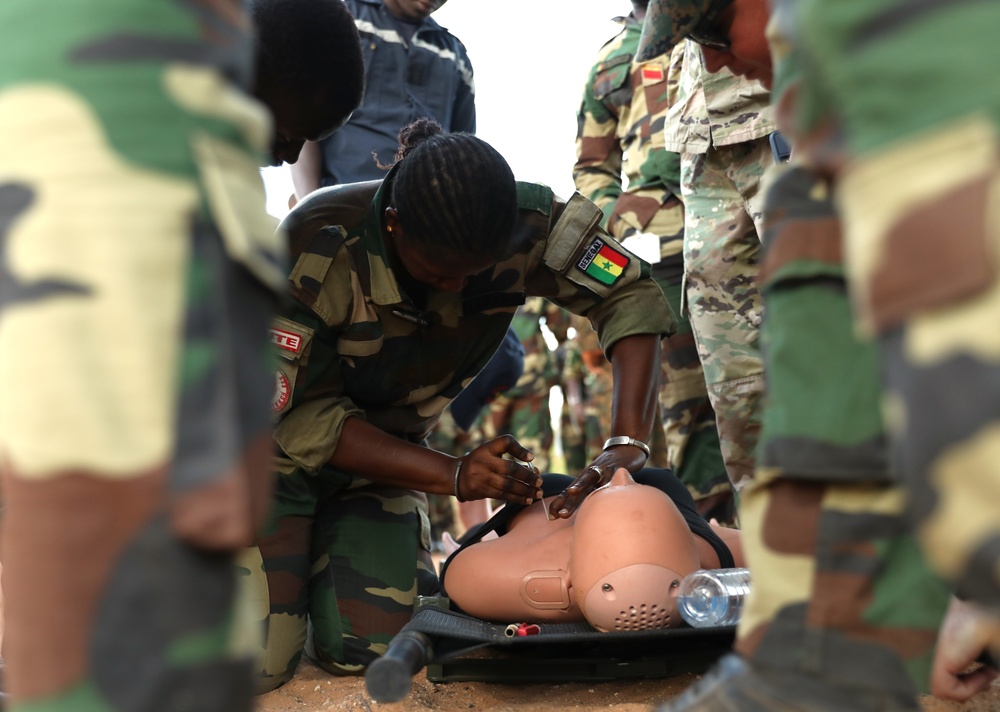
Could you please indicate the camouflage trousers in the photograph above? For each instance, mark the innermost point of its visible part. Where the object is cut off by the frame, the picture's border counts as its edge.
(690, 439)
(337, 572)
(923, 246)
(574, 441)
(134, 429)
(842, 600)
(722, 203)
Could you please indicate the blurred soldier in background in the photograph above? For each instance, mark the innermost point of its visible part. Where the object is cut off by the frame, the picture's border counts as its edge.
(140, 266)
(844, 611)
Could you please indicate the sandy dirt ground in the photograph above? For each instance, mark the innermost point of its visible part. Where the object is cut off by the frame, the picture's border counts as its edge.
(314, 689)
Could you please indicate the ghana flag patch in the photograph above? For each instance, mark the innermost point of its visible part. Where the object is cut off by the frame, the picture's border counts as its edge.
(603, 262)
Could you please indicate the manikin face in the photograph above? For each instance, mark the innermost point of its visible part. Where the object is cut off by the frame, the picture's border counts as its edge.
(631, 547)
(744, 22)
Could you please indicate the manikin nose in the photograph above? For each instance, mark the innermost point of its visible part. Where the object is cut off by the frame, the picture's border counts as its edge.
(621, 478)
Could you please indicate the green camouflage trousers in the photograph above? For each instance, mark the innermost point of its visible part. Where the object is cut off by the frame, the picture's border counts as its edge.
(722, 203)
(337, 572)
(918, 196)
(842, 596)
(138, 273)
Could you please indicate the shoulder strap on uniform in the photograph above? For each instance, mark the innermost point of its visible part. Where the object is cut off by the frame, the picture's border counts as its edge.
(345, 205)
(578, 218)
(534, 196)
(314, 262)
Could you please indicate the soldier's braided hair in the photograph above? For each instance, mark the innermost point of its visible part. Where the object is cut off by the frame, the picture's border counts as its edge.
(453, 191)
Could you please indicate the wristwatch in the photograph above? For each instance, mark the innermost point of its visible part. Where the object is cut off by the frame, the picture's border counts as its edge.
(626, 440)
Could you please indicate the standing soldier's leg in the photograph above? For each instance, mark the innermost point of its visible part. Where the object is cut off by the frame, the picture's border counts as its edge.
(692, 438)
(721, 247)
(919, 199)
(844, 612)
(136, 463)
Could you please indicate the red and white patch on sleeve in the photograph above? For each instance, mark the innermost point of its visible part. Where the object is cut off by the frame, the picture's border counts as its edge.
(652, 73)
(282, 392)
(287, 340)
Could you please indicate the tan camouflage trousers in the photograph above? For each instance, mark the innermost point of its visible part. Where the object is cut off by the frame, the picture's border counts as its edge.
(722, 200)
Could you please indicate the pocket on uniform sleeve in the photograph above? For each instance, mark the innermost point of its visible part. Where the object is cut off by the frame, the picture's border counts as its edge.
(291, 342)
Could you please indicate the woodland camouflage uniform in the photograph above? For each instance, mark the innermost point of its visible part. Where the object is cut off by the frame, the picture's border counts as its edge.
(920, 135)
(343, 550)
(139, 274)
(844, 611)
(621, 133)
(523, 411)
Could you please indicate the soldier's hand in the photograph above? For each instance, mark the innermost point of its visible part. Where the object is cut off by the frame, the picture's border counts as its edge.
(487, 473)
(965, 633)
(597, 474)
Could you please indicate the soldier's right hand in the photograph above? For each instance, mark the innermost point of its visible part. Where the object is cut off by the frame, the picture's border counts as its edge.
(485, 472)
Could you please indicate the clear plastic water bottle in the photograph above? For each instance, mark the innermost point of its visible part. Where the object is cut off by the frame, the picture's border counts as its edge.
(710, 598)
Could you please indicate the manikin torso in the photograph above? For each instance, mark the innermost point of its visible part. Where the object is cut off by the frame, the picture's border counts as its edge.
(614, 562)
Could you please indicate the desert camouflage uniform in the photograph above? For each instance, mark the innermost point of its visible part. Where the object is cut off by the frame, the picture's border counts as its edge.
(620, 132)
(344, 550)
(920, 132)
(523, 411)
(720, 125)
(139, 274)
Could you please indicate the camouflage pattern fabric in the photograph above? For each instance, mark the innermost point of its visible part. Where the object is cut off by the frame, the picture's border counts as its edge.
(572, 432)
(621, 133)
(344, 560)
(666, 25)
(921, 136)
(713, 109)
(834, 562)
(598, 389)
(442, 510)
(523, 411)
(352, 345)
(139, 274)
(723, 133)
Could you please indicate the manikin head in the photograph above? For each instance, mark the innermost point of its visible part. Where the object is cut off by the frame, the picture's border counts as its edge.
(630, 549)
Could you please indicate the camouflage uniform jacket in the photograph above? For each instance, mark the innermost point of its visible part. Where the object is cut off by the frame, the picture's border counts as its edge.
(353, 344)
(620, 129)
(714, 109)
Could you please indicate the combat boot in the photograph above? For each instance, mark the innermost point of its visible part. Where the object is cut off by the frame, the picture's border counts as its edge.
(735, 685)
